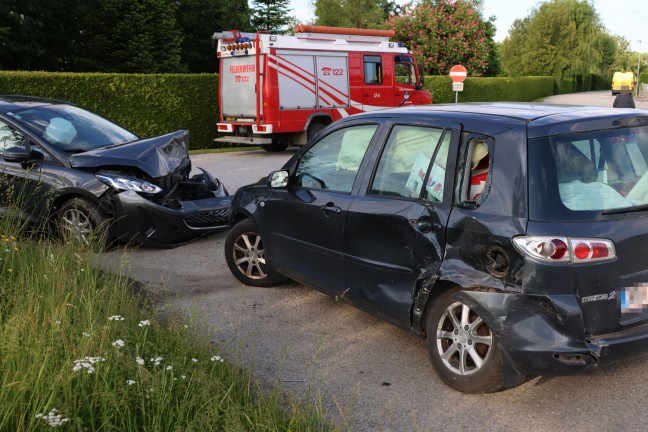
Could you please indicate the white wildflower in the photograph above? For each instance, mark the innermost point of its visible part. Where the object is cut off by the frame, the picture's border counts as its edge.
(53, 418)
(156, 361)
(217, 358)
(140, 361)
(57, 322)
(130, 382)
(116, 318)
(85, 334)
(118, 343)
(183, 376)
(144, 323)
(186, 326)
(169, 367)
(195, 360)
(87, 363)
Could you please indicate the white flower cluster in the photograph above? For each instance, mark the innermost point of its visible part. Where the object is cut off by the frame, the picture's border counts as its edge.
(195, 360)
(217, 358)
(85, 334)
(87, 363)
(144, 323)
(116, 318)
(130, 382)
(156, 361)
(169, 367)
(53, 418)
(140, 361)
(118, 343)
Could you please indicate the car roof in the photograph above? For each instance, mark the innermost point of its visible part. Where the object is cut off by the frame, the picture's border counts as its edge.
(540, 119)
(9, 103)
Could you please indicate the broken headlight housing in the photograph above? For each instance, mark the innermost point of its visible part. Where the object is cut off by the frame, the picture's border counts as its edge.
(126, 183)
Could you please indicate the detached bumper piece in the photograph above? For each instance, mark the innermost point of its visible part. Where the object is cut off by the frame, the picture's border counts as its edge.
(142, 221)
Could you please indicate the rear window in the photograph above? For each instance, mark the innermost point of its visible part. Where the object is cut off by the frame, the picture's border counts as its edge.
(587, 175)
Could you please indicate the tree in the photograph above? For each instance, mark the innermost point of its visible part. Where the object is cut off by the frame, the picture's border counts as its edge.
(561, 38)
(42, 34)
(199, 20)
(355, 13)
(271, 15)
(442, 33)
(135, 36)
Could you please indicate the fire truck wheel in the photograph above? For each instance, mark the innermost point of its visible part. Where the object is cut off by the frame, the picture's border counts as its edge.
(313, 129)
(276, 146)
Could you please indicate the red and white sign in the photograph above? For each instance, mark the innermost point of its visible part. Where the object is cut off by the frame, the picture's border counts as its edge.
(458, 73)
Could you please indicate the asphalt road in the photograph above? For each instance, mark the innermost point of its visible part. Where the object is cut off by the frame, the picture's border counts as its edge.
(368, 375)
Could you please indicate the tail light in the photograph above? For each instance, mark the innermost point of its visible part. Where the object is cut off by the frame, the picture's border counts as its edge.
(566, 249)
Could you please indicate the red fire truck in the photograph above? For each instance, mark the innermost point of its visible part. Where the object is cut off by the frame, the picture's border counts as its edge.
(277, 90)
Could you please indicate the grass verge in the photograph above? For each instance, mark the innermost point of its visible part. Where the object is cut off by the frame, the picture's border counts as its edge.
(80, 350)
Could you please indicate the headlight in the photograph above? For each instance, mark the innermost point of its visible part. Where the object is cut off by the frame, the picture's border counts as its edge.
(128, 183)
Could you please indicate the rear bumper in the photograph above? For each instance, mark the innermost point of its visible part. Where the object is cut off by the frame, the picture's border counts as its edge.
(544, 335)
(142, 221)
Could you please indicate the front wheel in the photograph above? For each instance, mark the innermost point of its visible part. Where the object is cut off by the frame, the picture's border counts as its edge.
(462, 348)
(246, 255)
(81, 221)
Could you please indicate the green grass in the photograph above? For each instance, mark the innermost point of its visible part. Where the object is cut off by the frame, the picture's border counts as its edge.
(55, 313)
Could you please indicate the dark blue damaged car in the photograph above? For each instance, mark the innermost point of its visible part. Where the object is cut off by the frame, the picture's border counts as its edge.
(80, 175)
(512, 237)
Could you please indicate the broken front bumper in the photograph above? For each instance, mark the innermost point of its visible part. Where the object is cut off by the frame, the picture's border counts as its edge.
(140, 220)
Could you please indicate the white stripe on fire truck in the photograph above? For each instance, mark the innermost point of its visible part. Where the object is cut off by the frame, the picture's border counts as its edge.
(283, 71)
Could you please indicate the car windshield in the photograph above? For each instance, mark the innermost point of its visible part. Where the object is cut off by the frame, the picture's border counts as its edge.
(71, 129)
(580, 176)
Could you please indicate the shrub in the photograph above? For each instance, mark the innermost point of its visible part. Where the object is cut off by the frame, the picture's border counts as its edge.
(521, 89)
(147, 104)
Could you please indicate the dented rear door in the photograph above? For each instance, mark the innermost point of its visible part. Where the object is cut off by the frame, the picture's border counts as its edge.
(395, 234)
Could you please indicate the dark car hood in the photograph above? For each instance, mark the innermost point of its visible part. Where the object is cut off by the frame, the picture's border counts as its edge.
(157, 157)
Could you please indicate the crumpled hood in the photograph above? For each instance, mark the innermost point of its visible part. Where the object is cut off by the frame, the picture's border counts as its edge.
(157, 157)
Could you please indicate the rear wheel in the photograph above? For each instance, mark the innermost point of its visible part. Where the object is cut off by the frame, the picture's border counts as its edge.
(276, 146)
(246, 255)
(313, 129)
(81, 221)
(463, 350)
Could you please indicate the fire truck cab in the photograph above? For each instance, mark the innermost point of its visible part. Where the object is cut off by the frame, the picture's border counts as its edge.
(277, 90)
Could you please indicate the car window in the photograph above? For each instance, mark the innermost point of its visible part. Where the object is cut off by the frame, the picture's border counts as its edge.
(71, 129)
(474, 171)
(373, 69)
(597, 171)
(333, 162)
(404, 165)
(9, 137)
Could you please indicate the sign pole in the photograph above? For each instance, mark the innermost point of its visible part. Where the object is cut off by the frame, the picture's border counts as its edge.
(458, 74)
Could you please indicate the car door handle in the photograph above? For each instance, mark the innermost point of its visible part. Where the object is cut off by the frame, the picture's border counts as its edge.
(331, 208)
(426, 226)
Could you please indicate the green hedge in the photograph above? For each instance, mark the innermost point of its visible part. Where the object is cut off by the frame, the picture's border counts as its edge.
(147, 104)
(522, 89)
(153, 104)
(643, 77)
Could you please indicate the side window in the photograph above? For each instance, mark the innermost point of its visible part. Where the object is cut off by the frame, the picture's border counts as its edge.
(475, 171)
(404, 73)
(373, 69)
(333, 162)
(404, 166)
(9, 137)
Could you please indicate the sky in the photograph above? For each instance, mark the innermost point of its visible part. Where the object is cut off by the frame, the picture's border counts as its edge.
(627, 18)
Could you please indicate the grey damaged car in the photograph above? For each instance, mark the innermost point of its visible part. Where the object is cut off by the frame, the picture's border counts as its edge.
(78, 171)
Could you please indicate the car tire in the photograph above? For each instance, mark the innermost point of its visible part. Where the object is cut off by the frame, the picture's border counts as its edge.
(463, 350)
(79, 220)
(313, 129)
(246, 256)
(275, 147)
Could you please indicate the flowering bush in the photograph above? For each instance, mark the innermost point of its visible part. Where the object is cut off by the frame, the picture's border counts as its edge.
(443, 33)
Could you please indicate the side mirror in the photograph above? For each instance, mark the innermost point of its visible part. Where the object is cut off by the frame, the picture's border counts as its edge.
(278, 179)
(419, 85)
(16, 154)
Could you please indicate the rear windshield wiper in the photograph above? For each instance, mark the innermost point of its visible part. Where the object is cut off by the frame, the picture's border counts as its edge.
(626, 210)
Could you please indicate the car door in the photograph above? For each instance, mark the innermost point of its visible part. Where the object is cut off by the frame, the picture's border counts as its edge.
(395, 234)
(305, 220)
(17, 180)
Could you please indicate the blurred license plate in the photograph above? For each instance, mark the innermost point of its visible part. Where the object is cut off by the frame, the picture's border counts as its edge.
(634, 299)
